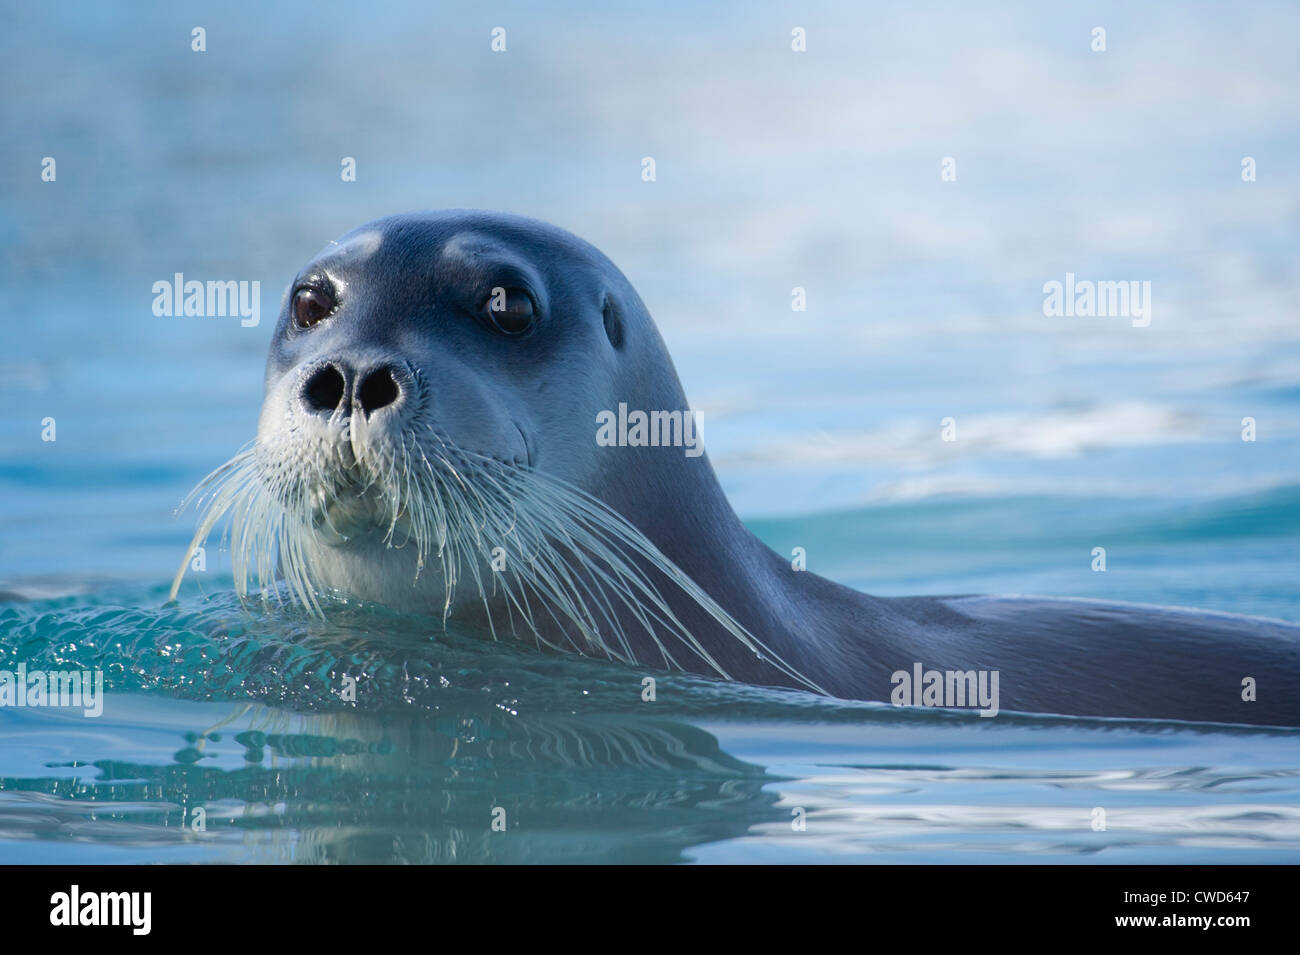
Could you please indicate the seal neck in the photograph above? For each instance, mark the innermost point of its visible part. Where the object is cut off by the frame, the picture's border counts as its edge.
(681, 507)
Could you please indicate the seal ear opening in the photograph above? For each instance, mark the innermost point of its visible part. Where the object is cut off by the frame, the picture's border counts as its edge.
(613, 322)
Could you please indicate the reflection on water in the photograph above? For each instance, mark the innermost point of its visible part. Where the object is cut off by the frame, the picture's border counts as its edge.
(413, 771)
(277, 786)
(448, 734)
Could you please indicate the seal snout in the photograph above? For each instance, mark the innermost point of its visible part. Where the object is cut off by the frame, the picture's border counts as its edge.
(335, 387)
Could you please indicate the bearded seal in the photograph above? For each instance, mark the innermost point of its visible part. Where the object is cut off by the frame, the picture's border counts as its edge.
(428, 441)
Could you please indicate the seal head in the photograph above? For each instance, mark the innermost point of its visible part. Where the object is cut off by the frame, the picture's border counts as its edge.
(428, 440)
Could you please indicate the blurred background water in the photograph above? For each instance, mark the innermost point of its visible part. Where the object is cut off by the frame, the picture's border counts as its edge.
(775, 170)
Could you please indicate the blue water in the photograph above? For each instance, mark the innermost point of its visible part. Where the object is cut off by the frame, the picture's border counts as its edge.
(818, 170)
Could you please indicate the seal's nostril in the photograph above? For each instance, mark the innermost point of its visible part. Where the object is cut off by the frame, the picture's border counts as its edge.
(379, 389)
(324, 390)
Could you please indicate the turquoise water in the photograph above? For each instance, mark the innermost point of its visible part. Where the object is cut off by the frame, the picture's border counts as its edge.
(774, 172)
(217, 707)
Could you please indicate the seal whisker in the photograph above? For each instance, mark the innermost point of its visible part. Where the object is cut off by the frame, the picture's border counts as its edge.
(586, 564)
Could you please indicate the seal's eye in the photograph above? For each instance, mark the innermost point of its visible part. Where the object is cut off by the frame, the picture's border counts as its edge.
(510, 310)
(310, 305)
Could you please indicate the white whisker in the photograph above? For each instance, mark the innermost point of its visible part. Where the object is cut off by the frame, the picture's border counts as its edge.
(595, 576)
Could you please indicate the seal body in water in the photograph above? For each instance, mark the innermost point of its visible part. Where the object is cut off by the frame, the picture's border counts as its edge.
(435, 390)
